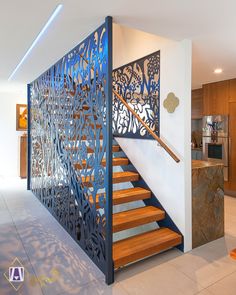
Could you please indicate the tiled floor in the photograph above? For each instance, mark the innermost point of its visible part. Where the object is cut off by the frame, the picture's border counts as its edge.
(57, 266)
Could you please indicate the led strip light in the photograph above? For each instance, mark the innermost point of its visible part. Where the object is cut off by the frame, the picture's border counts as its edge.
(52, 17)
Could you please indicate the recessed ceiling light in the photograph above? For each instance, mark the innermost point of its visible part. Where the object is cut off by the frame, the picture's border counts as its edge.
(218, 71)
(54, 14)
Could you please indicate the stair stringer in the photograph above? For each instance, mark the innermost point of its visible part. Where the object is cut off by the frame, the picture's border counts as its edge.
(153, 201)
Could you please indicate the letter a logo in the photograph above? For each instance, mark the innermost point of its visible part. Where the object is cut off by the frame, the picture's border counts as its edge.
(16, 274)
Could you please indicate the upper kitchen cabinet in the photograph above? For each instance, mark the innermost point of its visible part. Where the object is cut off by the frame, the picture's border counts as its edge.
(231, 185)
(215, 98)
(197, 103)
(232, 90)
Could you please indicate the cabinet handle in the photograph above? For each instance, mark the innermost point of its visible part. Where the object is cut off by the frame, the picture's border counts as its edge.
(229, 155)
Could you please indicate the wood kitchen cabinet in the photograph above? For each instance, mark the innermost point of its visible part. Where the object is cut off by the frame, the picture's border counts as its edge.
(215, 98)
(23, 156)
(231, 184)
(232, 90)
(197, 103)
(220, 98)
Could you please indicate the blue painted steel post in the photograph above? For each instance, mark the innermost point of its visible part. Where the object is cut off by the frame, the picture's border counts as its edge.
(109, 240)
(29, 139)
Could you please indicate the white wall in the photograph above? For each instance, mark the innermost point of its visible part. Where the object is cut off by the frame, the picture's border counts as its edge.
(10, 95)
(169, 181)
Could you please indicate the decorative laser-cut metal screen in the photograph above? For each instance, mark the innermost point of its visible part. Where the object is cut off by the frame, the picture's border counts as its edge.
(139, 84)
(70, 135)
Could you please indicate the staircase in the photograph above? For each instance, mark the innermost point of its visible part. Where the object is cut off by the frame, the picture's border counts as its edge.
(72, 109)
(138, 246)
(133, 247)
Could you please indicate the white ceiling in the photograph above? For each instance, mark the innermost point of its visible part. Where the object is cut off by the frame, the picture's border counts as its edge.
(210, 24)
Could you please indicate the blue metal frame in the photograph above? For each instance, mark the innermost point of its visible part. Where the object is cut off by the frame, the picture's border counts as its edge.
(28, 138)
(138, 82)
(109, 198)
(70, 107)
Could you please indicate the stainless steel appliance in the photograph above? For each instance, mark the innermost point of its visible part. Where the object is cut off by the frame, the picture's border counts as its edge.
(215, 140)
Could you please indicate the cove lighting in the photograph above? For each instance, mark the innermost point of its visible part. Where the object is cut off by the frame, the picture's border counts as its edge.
(218, 71)
(52, 17)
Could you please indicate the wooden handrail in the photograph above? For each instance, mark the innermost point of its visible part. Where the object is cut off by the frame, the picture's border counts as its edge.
(157, 138)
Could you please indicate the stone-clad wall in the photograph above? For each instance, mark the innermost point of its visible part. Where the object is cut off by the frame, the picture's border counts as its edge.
(207, 202)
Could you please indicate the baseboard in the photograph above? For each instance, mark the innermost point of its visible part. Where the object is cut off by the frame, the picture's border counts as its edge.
(230, 193)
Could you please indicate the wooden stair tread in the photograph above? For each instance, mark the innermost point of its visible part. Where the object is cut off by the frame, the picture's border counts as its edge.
(115, 149)
(86, 116)
(124, 176)
(83, 137)
(126, 195)
(144, 245)
(136, 217)
(115, 162)
(117, 177)
(85, 107)
(93, 126)
(130, 195)
(80, 107)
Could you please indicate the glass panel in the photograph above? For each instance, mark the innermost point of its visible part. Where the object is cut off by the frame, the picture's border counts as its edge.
(215, 151)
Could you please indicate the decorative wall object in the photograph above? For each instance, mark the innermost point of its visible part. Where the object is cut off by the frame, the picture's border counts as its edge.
(139, 84)
(21, 117)
(70, 111)
(171, 102)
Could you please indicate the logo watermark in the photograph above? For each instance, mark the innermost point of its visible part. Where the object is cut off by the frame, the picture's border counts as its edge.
(16, 275)
(44, 280)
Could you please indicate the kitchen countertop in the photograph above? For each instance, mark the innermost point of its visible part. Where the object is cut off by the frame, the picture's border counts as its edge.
(196, 164)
